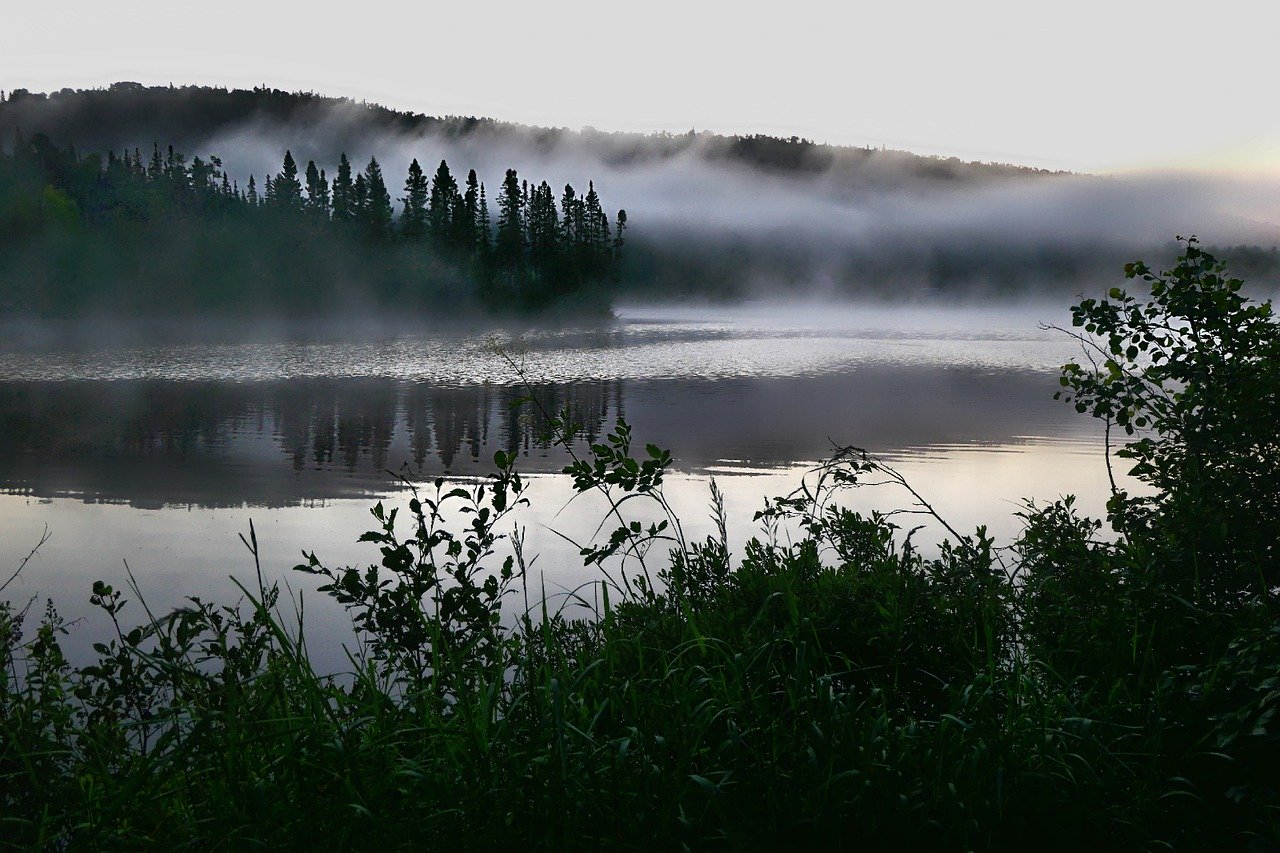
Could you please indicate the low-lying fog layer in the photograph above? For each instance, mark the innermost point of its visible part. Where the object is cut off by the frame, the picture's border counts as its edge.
(650, 341)
(821, 229)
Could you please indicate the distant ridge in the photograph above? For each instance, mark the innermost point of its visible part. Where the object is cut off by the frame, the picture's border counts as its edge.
(130, 114)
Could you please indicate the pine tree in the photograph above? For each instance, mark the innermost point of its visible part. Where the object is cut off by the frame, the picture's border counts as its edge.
(413, 222)
(252, 195)
(344, 209)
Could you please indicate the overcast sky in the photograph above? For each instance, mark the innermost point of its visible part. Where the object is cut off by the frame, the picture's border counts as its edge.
(1086, 85)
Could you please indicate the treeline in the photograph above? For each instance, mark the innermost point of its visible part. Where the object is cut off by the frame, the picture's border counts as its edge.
(169, 234)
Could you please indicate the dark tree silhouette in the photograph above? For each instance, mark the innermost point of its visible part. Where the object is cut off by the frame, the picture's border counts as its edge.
(376, 208)
(440, 209)
(286, 191)
(413, 221)
(344, 204)
(317, 191)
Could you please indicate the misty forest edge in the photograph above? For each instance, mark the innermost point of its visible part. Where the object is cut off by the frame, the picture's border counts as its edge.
(144, 233)
(168, 237)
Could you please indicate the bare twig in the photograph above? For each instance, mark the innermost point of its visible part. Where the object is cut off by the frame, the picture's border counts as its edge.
(44, 537)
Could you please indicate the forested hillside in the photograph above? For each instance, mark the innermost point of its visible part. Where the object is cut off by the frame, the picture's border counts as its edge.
(129, 114)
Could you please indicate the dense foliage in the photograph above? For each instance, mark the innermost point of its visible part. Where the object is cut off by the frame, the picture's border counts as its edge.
(830, 685)
(163, 236)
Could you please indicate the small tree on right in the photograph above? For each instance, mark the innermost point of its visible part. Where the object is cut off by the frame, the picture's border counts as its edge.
(1191, 369)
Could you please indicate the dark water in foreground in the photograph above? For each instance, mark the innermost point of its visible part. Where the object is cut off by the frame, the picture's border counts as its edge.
(159, 455)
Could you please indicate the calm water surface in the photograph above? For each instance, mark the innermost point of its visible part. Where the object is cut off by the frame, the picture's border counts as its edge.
(161, 454)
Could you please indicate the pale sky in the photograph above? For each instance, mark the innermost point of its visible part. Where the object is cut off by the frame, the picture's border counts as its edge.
(1095, 86)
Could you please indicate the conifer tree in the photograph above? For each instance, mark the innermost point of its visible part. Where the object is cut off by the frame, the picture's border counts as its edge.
(156, 167)
(359, 199)
(569, 224)
(458, 224)
(344, 208)
(509, 247)
(543, 227)
(467, 226)
(484, 225)
(440, 210)
(286, 190)
(317, 191)
(377, 207)
(252, 194)
(618, 238)
(524, 195)
(413, 222)
(591, 202)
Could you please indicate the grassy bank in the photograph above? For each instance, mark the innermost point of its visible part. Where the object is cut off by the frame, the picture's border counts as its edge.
(825, 683)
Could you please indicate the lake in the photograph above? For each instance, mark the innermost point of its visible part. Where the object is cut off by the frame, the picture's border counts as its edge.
(159, 454)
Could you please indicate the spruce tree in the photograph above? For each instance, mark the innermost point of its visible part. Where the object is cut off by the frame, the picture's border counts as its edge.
(592, 239)
(569, 222)
(359, 199)
(413, 222)
(618, 239)
(543, 226)
(377, 207)
(317, 191)
(344, 209)
(440, 210)
(484, 226)
(509, 247)
(467, 227)
(286, 190)
(156, 167)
